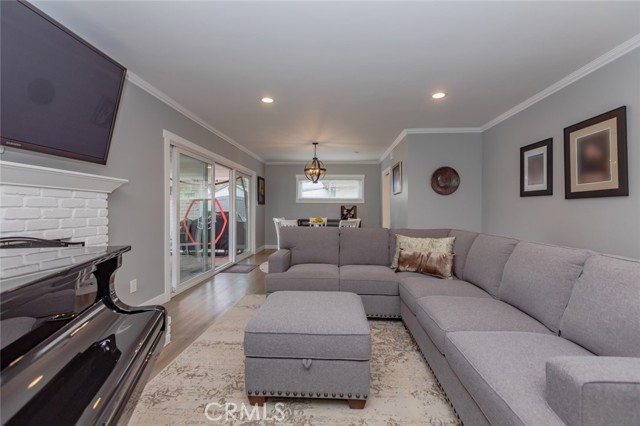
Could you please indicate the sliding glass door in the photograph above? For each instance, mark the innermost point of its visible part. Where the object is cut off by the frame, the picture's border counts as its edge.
(243, 210)
(191, 202)
(210, 217)
(224, 220)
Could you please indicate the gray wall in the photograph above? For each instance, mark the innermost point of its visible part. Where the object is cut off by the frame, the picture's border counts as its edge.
(610, 225)
(281, 196)
(463, 208)
(136, 210)
(399, 202)
(418, 206)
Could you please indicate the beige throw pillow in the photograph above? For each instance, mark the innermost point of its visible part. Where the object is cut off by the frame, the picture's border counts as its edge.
(434, 245)
(436, 264)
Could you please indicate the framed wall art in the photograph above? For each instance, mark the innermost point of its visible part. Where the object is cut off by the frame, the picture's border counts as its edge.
(396, 178)
(445, 180)
(536, 169)
(348, 212)
(595, 157)
(261, 190)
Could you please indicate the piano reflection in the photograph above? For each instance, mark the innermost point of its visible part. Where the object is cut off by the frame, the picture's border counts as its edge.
(71, 352)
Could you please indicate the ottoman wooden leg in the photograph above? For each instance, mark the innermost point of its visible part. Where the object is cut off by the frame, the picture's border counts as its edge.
(356, 404)
(257, 400)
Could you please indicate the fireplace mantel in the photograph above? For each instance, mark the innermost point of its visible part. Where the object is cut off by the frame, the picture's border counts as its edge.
(45, 177)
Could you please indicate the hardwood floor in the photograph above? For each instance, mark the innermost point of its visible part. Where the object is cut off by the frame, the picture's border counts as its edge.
(194, 310)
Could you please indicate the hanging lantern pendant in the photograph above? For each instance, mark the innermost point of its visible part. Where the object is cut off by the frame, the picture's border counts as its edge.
(315, 170)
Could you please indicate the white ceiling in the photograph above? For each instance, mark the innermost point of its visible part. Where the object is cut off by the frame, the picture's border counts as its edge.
(349, 75)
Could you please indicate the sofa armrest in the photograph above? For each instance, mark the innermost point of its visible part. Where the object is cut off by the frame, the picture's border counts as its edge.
(280, 261)
(590, 391)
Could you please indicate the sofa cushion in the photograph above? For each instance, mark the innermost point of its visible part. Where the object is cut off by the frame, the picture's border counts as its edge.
(415, 286)
(505, 372)
(311, 244)
(485, 261)
(425, 245)
(415, 233)
(538, 279)
(327, 325)
(603, 314)
(364, 246)
(279, 261)
(310, 277)
(436, 264)
(461, 247)
(439, 315)
(368, 279)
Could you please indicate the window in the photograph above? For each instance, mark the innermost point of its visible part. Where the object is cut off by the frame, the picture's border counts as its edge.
(331, 189)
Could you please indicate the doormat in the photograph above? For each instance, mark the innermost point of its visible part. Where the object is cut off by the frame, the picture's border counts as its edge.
(239, 269)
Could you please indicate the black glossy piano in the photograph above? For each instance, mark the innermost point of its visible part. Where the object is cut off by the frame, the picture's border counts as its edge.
(71, 352)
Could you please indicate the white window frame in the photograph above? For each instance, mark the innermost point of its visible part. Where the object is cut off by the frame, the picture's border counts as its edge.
(359, 200)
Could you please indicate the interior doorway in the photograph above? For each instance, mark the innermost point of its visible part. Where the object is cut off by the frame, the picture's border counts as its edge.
(386, 198)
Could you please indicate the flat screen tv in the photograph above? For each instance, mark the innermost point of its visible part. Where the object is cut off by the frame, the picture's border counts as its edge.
(59, 95)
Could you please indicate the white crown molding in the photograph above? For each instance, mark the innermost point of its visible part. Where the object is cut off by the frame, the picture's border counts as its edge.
(152, 90)
(44, 177)
(610, 56)
(592, 66)
(427, 130)
(327, 163)
(403, 134)
(443, 130)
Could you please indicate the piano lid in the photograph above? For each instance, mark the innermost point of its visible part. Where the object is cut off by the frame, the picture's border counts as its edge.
(23, 266)
(70, 352)
(43, 288)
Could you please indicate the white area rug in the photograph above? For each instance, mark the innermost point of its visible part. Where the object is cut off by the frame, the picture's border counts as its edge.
(264, 267)
(211, 370)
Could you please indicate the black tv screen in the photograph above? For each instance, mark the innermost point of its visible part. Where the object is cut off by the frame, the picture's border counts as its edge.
(59, 95)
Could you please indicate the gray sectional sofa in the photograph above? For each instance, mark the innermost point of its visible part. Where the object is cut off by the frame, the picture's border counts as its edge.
(526, 334)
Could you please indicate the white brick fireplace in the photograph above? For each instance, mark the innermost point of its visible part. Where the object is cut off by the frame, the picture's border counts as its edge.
(50, 203)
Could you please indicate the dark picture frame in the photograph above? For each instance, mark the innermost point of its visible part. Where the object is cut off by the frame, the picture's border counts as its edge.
(536, 169)
(396, 178)
(595, 157)
(348, 212)
(261, 190)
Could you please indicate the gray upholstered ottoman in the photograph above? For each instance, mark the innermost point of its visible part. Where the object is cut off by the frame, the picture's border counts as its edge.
(306, 344)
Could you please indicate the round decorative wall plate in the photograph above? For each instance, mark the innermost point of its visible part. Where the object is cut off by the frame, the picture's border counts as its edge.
(445, 180)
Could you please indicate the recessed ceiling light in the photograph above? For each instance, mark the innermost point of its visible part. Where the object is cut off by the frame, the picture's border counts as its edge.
(438, 95)
(268, 100)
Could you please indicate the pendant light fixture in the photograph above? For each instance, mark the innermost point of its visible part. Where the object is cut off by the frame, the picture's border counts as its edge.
(315, 170)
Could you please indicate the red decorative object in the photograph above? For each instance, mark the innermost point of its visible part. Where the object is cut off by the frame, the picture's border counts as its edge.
(186, 228)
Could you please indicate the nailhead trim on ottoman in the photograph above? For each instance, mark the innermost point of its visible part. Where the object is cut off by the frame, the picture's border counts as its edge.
(324, 343)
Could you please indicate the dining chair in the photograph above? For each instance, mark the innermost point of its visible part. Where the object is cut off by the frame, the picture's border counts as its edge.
(281, 222)
(349, 223)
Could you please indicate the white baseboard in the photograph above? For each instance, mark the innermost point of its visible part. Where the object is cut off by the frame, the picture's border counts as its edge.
(261, 248)
(158, 300)
(271, 247)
